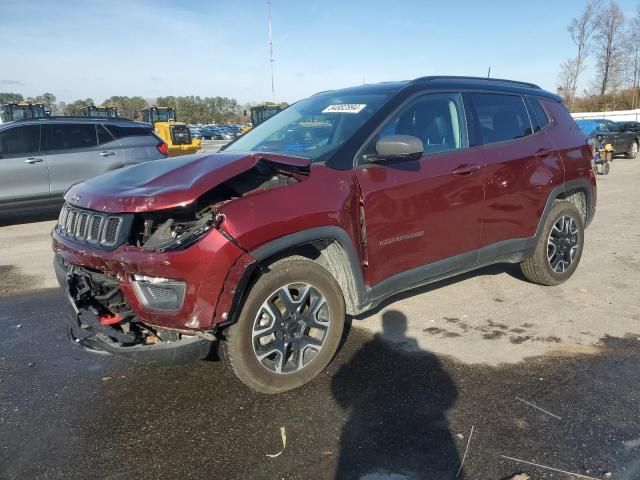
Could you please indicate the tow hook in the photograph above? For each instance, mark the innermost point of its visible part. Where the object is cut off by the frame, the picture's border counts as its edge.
(110, 318)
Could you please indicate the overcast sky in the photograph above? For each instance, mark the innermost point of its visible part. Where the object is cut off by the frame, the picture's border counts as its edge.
(79, 49)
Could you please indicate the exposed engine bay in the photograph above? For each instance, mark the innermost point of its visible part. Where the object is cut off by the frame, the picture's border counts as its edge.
(179, 227)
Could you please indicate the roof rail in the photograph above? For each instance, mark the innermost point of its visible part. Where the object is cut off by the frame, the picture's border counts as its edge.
(478, 79)
(78, 118)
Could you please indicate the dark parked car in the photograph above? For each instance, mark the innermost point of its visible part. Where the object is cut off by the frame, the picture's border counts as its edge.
(630, 126)
(623, 141)
(325, 210)
(41, 158)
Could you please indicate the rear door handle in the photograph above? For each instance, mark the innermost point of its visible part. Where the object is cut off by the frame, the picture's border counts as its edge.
(464, 170)
(33, 160)
(107, 153)
(543, 153)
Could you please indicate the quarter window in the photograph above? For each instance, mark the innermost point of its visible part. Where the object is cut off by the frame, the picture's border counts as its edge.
(501, 117)
(103, 135)
(20, 140)
(119, 131)
(70, 136)
(437, 119)
(539, 118)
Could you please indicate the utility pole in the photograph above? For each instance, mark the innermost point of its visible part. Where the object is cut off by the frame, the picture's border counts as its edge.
(273, 88)
(489, 73)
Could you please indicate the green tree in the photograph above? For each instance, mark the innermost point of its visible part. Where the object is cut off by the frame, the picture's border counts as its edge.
(10, 98)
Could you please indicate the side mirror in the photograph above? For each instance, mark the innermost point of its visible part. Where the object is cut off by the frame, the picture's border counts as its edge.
(398, 148)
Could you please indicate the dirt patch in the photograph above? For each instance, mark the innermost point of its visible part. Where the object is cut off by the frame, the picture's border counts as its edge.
(434, 330)
(550, 339)
(14, 282)
(520, 339)
(494, 335)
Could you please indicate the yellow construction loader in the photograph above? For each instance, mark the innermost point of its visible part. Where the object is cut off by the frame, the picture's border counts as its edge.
(99, 111)
(176, 135)
(22, 111)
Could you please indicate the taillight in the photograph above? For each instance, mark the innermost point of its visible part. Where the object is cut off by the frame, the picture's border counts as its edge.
(592, 146)
(163, 149)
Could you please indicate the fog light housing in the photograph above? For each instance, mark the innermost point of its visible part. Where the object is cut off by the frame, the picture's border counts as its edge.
(159, 293)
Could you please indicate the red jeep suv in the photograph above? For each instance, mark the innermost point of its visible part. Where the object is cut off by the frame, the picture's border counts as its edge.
(324, 210)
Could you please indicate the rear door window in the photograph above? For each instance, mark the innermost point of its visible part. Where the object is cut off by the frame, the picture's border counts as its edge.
(500, 117)
(20, 140)
(70, 136)
(121, 131)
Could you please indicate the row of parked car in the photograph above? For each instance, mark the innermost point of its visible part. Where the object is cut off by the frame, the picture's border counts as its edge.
(216, 132)
(624, 137)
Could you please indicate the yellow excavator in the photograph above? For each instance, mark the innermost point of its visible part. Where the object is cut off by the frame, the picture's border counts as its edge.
(22, 111)
(99, 111)
(176, 135)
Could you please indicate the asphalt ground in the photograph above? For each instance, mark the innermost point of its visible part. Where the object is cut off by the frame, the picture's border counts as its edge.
(547, 376)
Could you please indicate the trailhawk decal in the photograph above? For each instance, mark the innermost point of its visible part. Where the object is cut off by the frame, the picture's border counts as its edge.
(345, 108)
(400, 238)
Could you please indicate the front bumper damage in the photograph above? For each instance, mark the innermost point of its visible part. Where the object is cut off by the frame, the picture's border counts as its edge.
(102, 322)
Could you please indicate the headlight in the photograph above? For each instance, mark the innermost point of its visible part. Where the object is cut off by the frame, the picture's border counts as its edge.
(168, 233)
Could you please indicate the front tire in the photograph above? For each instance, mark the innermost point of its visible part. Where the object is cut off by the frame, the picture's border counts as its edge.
(559, 247)
(289, 327)
(633, 152)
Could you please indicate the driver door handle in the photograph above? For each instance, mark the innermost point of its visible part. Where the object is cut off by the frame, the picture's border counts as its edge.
(32, 160)
(464, 170)
(107, 153)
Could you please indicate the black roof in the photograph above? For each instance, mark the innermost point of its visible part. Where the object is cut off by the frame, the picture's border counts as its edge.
(441, 81)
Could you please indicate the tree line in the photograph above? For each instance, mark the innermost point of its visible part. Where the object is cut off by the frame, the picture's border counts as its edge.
(603, 34)
(189, 109)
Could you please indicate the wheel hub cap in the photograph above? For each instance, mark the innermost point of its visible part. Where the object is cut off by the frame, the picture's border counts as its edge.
(562, 244)
(290, 328)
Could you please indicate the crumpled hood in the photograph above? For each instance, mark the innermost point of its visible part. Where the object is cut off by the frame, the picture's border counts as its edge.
(167, 183)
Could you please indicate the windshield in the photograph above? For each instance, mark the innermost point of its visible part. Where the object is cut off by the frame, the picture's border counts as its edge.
(311, 128)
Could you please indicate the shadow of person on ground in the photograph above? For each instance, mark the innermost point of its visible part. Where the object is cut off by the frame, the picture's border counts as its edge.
(397, 402)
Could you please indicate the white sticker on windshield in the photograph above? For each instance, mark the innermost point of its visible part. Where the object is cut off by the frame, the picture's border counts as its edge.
(345, 108)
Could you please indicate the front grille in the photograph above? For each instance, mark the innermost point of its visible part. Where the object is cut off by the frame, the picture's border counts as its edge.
(100, 229)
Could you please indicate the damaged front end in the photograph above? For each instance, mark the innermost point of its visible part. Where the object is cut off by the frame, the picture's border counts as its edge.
(153, 284)
(177, 228)
(103, 322)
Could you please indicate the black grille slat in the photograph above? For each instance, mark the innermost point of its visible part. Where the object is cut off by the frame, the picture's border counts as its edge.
(111, 230)
(100, 229)
(81, 232)
(94, 228)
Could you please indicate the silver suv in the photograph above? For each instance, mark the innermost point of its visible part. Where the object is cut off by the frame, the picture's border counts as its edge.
(41, 158)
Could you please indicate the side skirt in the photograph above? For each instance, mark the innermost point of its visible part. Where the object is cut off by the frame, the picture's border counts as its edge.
(509, 251)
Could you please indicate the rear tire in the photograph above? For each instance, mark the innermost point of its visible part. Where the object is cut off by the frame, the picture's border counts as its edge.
(295, 311)
(633, 153)
(559, 247)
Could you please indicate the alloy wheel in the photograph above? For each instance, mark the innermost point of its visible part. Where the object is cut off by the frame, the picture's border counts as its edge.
(562, 244)
(290, 328)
